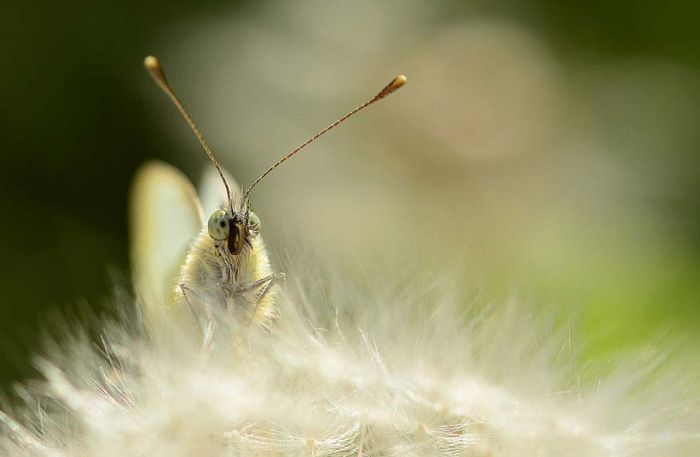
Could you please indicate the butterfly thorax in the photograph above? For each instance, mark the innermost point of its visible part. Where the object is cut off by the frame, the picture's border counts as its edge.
(214, 274)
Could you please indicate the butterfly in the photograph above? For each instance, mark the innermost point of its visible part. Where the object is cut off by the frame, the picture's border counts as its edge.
(189, 270)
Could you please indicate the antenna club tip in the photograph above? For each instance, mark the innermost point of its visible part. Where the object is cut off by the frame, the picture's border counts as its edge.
(152, 64)
(399, 81)
(394, 85)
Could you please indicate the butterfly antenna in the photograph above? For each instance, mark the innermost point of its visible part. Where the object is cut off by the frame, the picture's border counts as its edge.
(395, 84)
(153, 66)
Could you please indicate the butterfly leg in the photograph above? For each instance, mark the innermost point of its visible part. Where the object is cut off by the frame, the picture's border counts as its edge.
(206, 323)
(265, 285)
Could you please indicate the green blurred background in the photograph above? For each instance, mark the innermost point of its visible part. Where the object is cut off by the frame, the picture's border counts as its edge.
(546, 150)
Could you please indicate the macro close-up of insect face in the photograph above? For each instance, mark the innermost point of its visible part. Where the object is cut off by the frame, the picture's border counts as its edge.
(234, 229)
(227, 263)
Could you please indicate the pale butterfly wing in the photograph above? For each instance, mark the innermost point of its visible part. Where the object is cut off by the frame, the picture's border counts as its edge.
(166, 216)
(212, 192)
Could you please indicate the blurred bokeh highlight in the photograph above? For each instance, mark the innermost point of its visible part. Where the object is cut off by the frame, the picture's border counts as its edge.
(544, 150)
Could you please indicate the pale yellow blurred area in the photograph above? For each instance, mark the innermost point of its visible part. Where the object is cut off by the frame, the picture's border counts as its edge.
(532, 172)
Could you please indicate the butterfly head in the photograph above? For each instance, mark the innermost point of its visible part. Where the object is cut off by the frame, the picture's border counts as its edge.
(236, 229)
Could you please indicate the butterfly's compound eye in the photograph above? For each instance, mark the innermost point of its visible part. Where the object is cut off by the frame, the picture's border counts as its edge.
(253, 225)
(219, 225)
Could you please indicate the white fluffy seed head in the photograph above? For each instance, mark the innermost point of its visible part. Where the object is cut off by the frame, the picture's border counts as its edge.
(342, 374)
